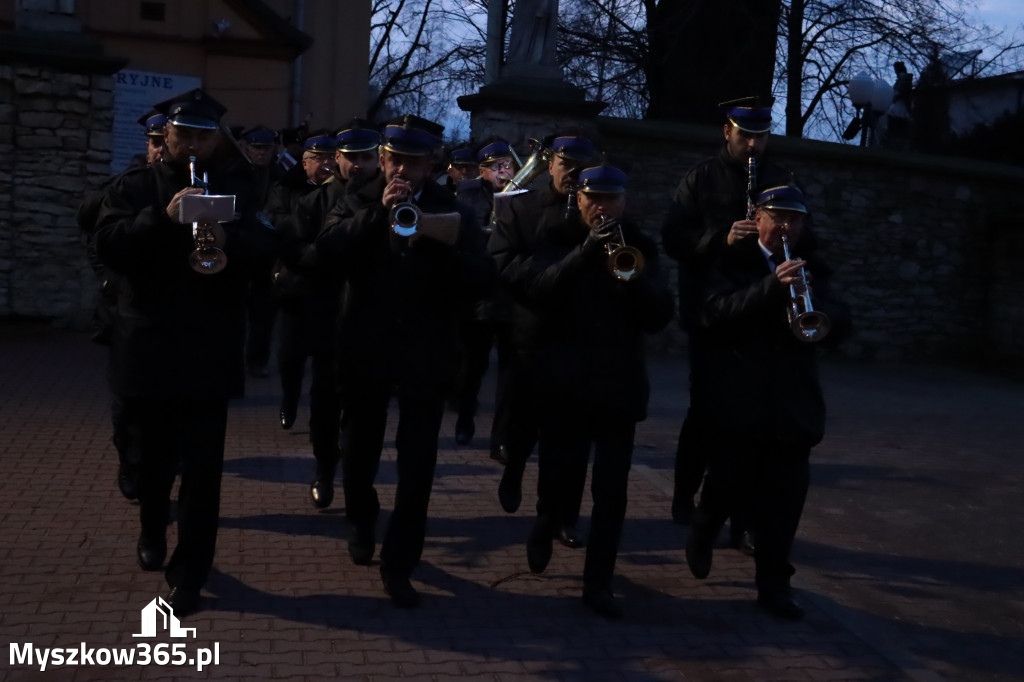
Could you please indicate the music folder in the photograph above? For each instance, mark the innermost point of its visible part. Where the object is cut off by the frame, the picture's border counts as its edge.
(444, 227)
(206, 208)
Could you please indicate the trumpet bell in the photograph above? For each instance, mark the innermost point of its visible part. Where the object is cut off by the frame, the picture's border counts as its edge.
(626, 262)
(811, 327)
(404, 219)
(207, 260)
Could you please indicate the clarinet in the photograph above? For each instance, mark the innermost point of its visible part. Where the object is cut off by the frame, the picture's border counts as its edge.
(751, 186)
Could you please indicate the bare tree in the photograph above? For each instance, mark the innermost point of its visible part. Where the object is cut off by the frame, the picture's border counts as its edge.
(419, 49)
(824, 42)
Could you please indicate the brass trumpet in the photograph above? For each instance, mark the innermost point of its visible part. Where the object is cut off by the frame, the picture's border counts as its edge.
(808, 324)
(624, 262)
(206, 258)
(404, 218)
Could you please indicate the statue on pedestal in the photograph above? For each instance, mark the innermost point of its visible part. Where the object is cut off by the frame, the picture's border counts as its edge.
(534, 35)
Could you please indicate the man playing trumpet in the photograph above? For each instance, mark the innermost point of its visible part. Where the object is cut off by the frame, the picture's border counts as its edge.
(764, 398)
(584, 353)
(177, 352)
(397, 337)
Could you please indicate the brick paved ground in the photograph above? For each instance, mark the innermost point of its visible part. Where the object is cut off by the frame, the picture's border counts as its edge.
(909, 557)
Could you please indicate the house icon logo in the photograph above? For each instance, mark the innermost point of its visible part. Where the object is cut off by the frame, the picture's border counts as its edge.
(159, 615)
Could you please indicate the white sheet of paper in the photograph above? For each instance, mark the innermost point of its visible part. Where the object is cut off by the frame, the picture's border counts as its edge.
(215, 208)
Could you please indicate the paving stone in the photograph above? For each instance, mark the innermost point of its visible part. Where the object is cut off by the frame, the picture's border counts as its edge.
(907, 560)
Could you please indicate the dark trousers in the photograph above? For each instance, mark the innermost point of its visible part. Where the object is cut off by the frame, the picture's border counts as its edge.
(692, 453)
(306, 329)
(475, 339)
(501, 425)
(187, 435)
(419, 421)
(771, 480)
(564, 450)
(125, 439)
(261, 308)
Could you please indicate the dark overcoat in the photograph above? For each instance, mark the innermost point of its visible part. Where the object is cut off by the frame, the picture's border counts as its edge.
(580, 331)
(763, 382)
(179, 333)
(398, 321)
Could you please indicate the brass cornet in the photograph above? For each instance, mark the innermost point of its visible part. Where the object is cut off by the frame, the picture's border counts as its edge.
(404, 218)
(808, 324)
(624, 262)
(206, 258)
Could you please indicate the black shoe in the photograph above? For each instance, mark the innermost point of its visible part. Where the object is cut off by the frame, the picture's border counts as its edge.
(183, 600)
(744, 542)
(464, 430)
(402, 593)
(288, 410)
(151, 554)
(780, 605)
(569, 536)
(539, 547)
(602, 602)
(361, 546)
(682, 511)
(510, 490)
(128, 484)
(499, 454)
(321, 492)
(698, 556)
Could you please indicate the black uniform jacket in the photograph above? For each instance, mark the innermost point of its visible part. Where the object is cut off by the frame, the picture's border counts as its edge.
(180, 333)
(403, 295)
(580, 331)
(478, 197)
(763, 382)
(709, 199)
(301, 271)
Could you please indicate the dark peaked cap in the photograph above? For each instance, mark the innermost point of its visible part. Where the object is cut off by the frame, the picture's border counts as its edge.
(411, 135)
(193, 109)
(750, 114)
(153, 122)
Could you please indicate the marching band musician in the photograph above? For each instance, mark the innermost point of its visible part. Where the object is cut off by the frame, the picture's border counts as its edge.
(764, 396)
(153, 122)
(461, 166)
(104, 320)
(488, 318)
(397, 337)
(313, 300)
(177, 352)
(585, 355)
(317, 158)
(524, 217)
(260, 145)
(309, 295)
(708, 214)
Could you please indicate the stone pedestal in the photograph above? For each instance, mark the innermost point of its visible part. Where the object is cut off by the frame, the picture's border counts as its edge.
(521, 107)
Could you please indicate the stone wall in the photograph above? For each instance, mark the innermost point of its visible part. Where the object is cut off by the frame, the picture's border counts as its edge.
(55, 144)
(928, 251)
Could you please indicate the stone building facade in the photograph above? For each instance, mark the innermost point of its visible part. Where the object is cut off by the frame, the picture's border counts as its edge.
(55, 144)
(928, 251)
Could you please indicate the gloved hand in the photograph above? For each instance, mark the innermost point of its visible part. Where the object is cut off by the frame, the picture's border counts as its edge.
(596, 240)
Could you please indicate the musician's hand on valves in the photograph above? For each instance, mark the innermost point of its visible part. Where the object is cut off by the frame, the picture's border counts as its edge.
(740, 229)
(596, 240)
(396, 191)
(173, 208)
(788, 272)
